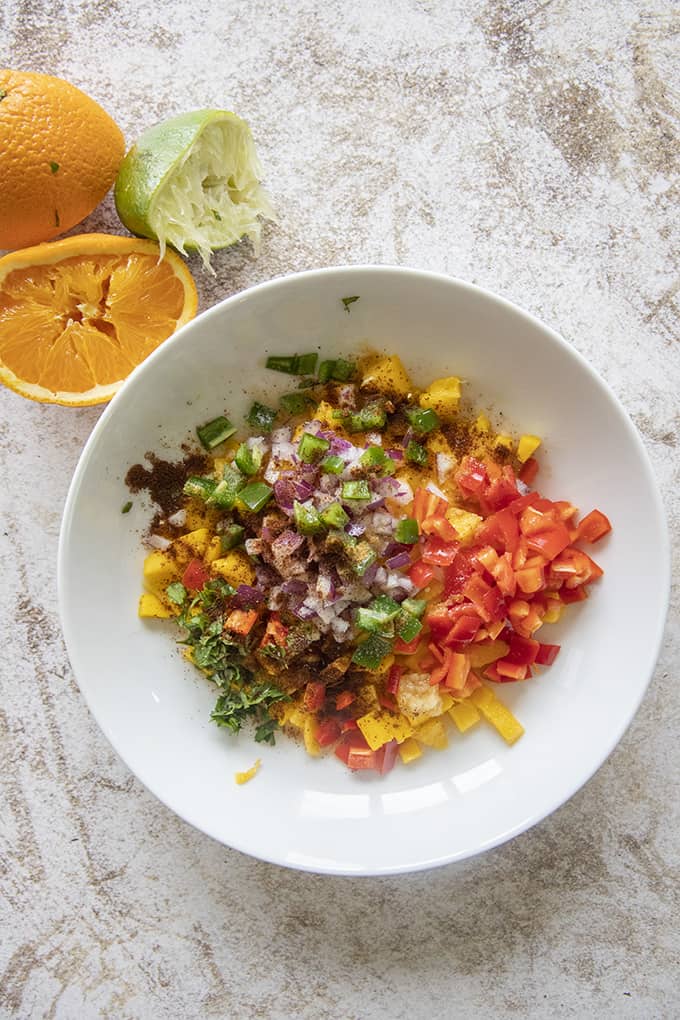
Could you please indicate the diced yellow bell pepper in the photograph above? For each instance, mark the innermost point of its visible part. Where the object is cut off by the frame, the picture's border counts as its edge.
(495, 712)
(324, 414)
(527, 446)
(503, 442)
(160, 569)
(465, 523)
(380, 727)
(433, 734)
(553, 614)
(191, 546)
(482, 423)
(386, 375)
(151, 607)
(464, 715)
(443, 397)
(309, 732)
(482, 655)
(409, 750)
(244, 777)
(235, 568)
(437, 442)
(447, 701)
(214, 549)
(367, 698)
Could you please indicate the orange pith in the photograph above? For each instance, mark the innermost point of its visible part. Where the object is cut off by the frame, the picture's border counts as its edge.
(77, 316)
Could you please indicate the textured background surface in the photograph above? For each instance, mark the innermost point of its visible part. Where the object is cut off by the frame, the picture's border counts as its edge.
(531, 147)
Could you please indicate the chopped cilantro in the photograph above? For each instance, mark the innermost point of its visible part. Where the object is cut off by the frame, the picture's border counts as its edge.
(347, 301)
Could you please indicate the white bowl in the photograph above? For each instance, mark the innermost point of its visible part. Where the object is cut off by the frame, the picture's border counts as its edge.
(313, 813)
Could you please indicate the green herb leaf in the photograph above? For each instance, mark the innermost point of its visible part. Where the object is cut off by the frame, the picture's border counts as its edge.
(177, 593)
(347, 301)
(53, 166)
(126, 507)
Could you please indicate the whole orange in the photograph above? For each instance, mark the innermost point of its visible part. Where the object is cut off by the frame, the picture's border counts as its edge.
(59, 155)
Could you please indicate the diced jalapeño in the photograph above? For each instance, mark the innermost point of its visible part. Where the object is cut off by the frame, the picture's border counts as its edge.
(255, 496)
(215, 432)
(312, 448)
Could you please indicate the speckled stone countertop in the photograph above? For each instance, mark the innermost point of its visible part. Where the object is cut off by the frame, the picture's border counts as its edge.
(530, 147)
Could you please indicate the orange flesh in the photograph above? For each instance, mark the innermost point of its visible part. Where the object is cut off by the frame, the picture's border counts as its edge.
(87, 320)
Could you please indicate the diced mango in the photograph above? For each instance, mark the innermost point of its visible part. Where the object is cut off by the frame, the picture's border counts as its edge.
(309, 732)
(503, 442)
(553, 614)
(151, 607)
(464, 715)
(465, 523)
(409, 751)
(380, 727)
(191, 546)
(482, 423)
(495, 712)
(438, 443)
(367, 698)
(160, 570)
(433, 734)
(447, 701)
(386, 375)
(324, 414)
(443, 397)
(297, 717)
(214, 549)
(201, 516)
(244, 777)
(235, 568)
(527, 446)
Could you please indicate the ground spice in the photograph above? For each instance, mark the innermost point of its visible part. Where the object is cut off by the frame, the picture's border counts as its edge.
(164, 479)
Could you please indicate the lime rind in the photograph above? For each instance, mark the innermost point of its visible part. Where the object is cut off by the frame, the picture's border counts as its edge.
(194, 183)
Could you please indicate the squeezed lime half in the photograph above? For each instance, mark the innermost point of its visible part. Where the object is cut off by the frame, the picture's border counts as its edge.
(193, 182)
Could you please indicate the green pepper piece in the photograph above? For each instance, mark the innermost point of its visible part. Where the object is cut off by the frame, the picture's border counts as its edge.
(255, 496)
(307, 519)
(355, 490)
(373, 622)
(416, 607)
(373, 457)
(307, 364)
(369, 418)
(215, 432)
(422, 419)
(126, 507)
(231, 537)
(408, 626)
(416, 453)
(248, 460)
(311, 448)
(200, 488)
(363, 557)
(326, 371)
(224, 495)
(386, 606)
(372, 651)
(294, 364)
(343, 370)
(261, 417)
(333, 465)
(334, 516)
(407, 531)
(295, 403)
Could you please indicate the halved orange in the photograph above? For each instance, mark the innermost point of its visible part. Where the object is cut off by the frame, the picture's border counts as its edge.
(76, 316)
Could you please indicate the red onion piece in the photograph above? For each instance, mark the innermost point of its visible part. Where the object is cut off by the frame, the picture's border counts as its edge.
(398, 561)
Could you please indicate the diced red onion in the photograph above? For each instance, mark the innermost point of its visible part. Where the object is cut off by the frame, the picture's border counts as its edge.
(287, 542)
(445, 464)
(355, 528)
(398, 561)
(254, 546)
(437, 491)
(374, 438)
(346, 395)
(294, 587)
(382, 523)
(396, 454)
(159, 542)
(376, 503)
(178, 519)
(246, 595)
(370, 574)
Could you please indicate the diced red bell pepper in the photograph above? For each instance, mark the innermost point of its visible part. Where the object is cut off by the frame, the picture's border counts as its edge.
(530, 579)
(436, 653)
(438, 619)
(241, 621)
(551, 542)
(196, 575)
(593, 527)
(386, 757)
(314, 696)
(439, 672)
(327, 732)
(500, 530)
(501, 492)
(421, 574)
(546, 654)
(459, 667)
(528, 471)
(486, 598)
(471, 476)
(522, 651)
(575, 568)
(393, 678)
(354, 751)
(349, 725)
(427, 504)
(275, 633)
(439, 553)
(438, 525)
(522, 502)
(344, 699)
(407, 647)
(464, 627)
(507, 670)
(569, 595)
(456, 575)
(388, 701)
